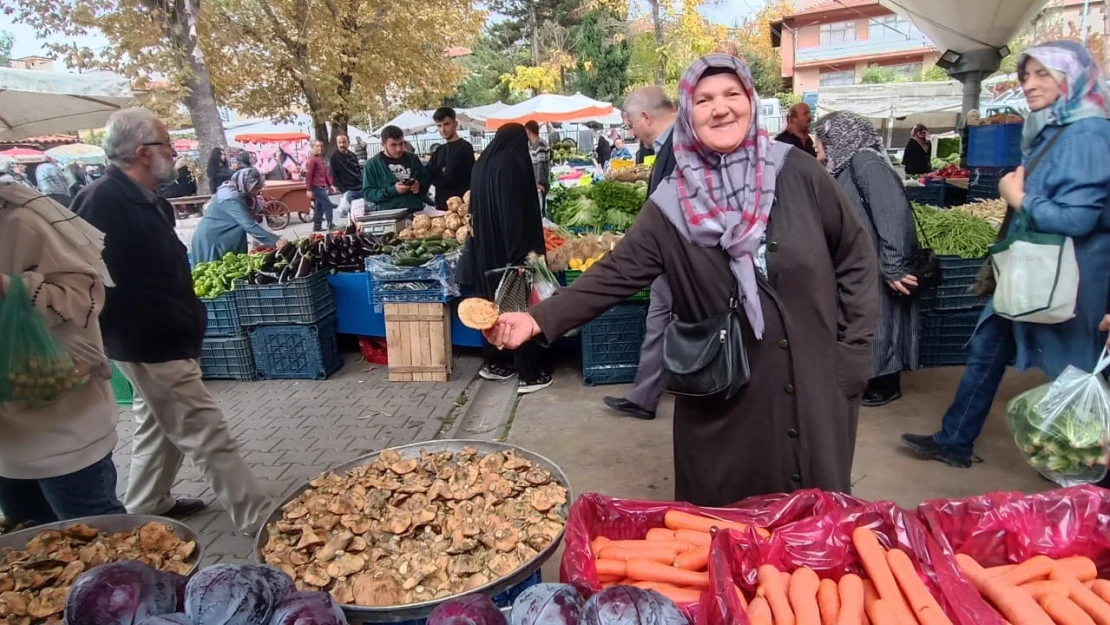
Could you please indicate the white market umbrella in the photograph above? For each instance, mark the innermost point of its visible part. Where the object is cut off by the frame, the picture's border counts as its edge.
(549, 107)
(410, 122)
(74, 152)
(37, 103)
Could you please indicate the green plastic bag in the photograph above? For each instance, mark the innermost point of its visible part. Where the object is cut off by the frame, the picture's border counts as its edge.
(33, 364)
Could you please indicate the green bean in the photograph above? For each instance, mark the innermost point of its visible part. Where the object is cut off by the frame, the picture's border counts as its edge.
(953, 233)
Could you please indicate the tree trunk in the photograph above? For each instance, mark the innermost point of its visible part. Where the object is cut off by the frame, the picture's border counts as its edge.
(341, 118)
(199, 97)
(661, 63)
(534, 30)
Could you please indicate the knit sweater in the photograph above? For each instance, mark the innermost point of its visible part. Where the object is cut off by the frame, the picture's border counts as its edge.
(79, 427)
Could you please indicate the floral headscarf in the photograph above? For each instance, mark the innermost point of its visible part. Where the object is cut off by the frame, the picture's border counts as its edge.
(844, 135)
(243, 184)
(920, 134)
(723, 199)
(1083, 90)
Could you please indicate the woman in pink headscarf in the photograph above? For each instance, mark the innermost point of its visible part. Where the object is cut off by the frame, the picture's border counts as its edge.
(745, 219)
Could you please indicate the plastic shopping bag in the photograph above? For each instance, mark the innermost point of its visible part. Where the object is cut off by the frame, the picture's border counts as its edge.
(544, 283)
(34, 364)
(1063, 428)
(1036, 276)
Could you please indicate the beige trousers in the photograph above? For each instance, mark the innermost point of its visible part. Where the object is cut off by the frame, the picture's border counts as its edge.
(177, 417)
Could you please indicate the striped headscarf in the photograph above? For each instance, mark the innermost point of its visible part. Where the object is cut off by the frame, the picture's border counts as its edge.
(243, 183)
(1083, 90)
(844, 135)
(723, 199)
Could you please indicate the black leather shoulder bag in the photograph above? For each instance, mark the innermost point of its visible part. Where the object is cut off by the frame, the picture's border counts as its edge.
(706, 358)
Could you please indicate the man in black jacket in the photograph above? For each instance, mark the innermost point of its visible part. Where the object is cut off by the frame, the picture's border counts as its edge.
(650, 115)
(153, 326)
(346, 173)
(452, 162)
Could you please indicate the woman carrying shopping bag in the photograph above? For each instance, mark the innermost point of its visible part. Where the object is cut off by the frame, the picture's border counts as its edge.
(1062, 193)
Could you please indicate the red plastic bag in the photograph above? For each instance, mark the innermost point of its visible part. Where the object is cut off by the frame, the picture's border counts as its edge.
(824, 544)
(594, 515)
(1009, 527)
(373, 350)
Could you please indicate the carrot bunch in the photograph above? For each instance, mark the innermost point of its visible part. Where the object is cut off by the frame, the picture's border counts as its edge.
(1043, 591)
(552, 240)
(893, 594)
(673, 560)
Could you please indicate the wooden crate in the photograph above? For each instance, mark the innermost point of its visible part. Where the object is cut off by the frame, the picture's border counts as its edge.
(418, 338)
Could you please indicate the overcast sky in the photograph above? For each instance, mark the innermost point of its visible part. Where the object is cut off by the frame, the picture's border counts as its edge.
(27, 44)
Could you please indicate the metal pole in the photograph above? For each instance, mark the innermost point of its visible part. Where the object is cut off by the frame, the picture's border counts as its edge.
(1086, 12)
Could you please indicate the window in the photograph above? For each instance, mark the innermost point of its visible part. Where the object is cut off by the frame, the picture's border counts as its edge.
(838, 33)
(837, 79)
(890, 27)
(911, 71)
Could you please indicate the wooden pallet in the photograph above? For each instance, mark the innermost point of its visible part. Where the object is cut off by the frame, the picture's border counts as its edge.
(418, 339)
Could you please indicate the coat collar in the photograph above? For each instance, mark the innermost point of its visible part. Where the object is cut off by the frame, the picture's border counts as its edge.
(130, 188)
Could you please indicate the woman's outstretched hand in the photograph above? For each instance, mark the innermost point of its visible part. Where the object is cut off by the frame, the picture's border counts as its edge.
(512, 330)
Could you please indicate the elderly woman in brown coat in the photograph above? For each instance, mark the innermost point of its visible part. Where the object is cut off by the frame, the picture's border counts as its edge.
(744, 214)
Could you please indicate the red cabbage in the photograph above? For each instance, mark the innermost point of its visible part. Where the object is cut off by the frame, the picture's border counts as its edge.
(308, 608)
(628, 605)
(473, 609)
(547, 604)
(110, 594)
(228, 594)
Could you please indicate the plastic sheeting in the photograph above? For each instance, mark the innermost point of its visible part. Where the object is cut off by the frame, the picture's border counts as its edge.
(963, 26)
(37, 103)
(935, 104)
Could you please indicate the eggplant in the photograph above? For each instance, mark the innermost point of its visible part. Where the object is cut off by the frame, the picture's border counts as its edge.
(351, 228)
(305, 268)
(286, 251)
(304, 246)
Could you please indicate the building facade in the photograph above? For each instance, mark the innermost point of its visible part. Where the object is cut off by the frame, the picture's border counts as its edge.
(833, 42)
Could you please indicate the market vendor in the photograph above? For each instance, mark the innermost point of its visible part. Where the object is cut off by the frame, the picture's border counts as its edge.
(918, 155)
(452, 162)
(806, 274)
(229, 219)
(394, 178)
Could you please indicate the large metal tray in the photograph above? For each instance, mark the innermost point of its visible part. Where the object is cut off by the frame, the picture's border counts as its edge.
(109, 523)
(414, 611)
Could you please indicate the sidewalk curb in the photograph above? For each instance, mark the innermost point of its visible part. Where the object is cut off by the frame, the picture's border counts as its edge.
(487, 412)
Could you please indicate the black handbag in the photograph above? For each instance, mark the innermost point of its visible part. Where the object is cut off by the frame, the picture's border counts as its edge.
(706, 358)
(923, 263)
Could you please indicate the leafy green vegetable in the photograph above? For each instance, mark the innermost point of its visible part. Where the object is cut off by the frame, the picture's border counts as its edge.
(605, 206)
(953, 233)
(1068, 446)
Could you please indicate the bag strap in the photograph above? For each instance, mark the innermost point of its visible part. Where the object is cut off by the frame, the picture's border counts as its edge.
(1033, 162)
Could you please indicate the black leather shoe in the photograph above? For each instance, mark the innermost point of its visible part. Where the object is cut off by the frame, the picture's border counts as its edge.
(874, 399)
(926, 447)
(184, 508)
(621, 404)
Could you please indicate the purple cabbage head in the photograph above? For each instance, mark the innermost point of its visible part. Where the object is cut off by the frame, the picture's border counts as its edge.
(547, 604)
(116, 594)
(628, 605)
(280, 583)
(228, 594)
(165, 619)
(473, 609)
(178, 582)
(308, 608)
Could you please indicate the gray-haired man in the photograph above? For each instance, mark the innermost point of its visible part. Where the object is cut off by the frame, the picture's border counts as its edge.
(153, 326)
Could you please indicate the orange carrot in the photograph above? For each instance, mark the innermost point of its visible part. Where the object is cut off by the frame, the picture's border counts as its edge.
(873, 557)
(828, 601)
(696, 560)
(740, 597)
(694, 537)
(1088, 600)
(677, 594)
(925, 607)
(651, 571)
(1090, 584)
(611, 567)
(974, 571)
(882, 613)
(802, 592)
(759, 612)
(1079, 567)
(660, 533)
(651, 544)
(598, 543)
(1043, 588)
(1101, 587)
(1014, 603)
(870, 596)
(665, 555)
(1033, 569)
(851, 600)
(999, 570)
(676, 520)
(775, 591)
(1065, 611)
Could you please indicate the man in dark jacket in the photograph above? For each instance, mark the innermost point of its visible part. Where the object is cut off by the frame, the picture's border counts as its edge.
(650, 115)
(797, 129)
(452, 162)
(346, 173)
(153, 326)
(395, 178)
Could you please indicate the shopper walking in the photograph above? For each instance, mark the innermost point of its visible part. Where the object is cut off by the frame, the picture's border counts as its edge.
(855, 157)
(1063, 188)
(153, 327)
(540, 154)
(319, 185)
(56, 457)
(650, 114)
(807, 295)
(218, 171)
(230, 218)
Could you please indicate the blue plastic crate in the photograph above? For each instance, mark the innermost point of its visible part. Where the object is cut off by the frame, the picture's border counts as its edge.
(223, 315)
(930, 194)
(943, 338)
(227, 359)
(413, 292)
(611, 345)
(995, 145)
(957, 277)
(503, 600)
(382, 269)
(296, 352)
(570, 275)
(304, 300)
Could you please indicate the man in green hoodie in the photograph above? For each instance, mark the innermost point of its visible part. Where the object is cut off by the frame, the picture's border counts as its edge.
(395, 178)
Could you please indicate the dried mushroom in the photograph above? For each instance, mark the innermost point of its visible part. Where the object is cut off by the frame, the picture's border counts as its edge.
(403, 530)
(34, 582)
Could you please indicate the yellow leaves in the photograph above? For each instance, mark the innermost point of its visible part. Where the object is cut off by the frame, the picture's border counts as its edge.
(542, 79)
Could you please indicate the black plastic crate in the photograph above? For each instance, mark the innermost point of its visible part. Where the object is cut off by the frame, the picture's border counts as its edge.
(930, 195)
(227, 359)
(223, 315)
(611, 345)
(304, 300)
(296, 352)
(943, 338)
(983, 182)
(954, 293)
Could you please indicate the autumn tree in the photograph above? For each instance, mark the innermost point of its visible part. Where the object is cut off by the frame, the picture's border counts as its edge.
(603, 54)
(146, 38)
(6, 43)
(484, 66)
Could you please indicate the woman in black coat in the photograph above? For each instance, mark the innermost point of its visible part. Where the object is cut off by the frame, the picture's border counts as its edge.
(218, 171)
(918, 156)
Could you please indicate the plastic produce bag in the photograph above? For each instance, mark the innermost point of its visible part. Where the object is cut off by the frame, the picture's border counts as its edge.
(824, 544)
(34, 364)
(1063, 428)
(544, 283)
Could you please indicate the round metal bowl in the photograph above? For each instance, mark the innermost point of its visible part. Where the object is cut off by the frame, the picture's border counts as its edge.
(415, 611)
(110, 524)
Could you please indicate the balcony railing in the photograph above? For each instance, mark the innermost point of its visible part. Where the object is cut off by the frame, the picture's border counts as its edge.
(870, 47)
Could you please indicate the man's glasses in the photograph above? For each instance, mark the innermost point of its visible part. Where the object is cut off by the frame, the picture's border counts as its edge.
(165, 143)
